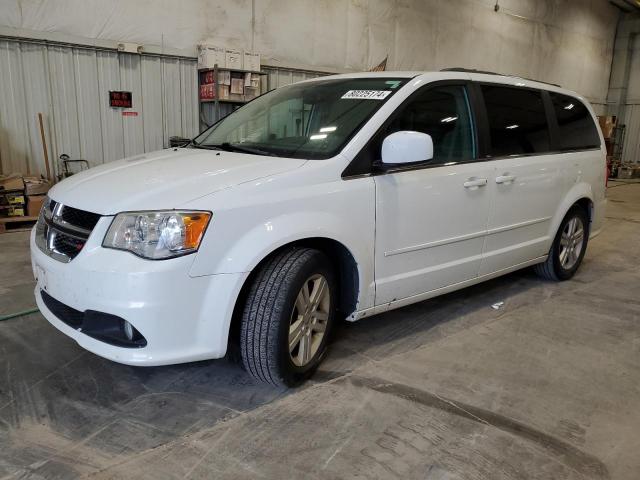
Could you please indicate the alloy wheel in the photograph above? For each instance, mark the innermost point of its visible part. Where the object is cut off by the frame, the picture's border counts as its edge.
(571, 243)
(309, 319)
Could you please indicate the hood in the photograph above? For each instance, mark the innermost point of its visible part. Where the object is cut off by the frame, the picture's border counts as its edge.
(164, 180)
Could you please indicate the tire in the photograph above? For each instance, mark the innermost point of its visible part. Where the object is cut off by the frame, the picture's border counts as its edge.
(275, 304)
(560, 266)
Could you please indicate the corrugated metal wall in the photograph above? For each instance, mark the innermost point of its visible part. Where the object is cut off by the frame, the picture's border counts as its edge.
(631, 149)
(69, 85)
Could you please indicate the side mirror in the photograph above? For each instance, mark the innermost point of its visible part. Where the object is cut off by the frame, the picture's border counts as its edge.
(407, 147)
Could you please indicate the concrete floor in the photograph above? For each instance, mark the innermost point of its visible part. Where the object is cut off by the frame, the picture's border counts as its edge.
(547, 387)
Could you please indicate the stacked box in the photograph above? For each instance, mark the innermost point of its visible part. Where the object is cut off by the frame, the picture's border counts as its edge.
(20, 196)
(12, 204)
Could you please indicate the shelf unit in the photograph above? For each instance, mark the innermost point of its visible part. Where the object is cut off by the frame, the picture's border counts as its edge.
(235, 99)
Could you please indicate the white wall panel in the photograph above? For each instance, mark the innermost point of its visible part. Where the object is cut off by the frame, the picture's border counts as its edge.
(14, 138)
(188, 90)
(171, 97)
(87, 103)
(70, 86)
(575, 36)
(131, 81)
(152, 103)
(111, 130)
(37, 99)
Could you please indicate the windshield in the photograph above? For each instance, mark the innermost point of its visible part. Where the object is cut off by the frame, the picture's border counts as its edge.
(308, 120)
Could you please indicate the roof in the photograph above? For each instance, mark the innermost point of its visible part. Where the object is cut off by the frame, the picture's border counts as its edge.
(459, 73)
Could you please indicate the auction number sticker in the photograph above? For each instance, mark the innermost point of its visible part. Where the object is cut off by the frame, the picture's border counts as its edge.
(367, 94)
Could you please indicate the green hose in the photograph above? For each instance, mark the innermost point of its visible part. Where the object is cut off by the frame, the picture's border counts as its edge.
(17, 314)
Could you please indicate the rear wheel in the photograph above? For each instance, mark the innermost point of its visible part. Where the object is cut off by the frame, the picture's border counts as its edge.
(568, 247)
(288, 317)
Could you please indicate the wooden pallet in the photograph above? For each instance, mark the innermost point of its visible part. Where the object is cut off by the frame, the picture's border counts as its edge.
(16, 224)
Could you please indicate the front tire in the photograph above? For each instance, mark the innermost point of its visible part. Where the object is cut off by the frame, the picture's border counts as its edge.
(288, 317)
(568, 247)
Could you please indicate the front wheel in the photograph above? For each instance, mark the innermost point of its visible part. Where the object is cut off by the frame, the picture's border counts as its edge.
(288, 317)
(568, 247)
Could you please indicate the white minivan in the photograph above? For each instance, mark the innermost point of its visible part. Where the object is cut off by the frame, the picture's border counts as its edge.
(336, 198)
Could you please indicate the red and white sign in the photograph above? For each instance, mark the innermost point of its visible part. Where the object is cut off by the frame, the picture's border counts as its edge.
(129, 114)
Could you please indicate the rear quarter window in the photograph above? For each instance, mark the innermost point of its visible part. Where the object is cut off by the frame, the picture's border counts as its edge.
(576, 128)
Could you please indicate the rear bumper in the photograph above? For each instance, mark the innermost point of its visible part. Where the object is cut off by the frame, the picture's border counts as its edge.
(182, 318)
(597, 222)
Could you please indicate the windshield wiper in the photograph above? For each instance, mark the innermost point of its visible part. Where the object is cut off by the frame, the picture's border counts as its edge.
(205, 147)
(234, 147)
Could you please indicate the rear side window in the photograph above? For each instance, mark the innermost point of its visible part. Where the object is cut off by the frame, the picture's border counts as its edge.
(517, 121)
(576, 128)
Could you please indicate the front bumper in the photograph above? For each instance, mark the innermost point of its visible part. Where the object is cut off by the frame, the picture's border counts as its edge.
(183, 318)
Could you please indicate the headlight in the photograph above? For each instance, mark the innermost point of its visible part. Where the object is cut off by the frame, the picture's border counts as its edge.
(157, 235)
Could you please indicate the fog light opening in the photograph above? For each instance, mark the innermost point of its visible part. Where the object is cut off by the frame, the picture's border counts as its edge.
(128, 330)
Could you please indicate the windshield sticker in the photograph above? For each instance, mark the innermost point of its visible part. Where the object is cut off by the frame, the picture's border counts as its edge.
(393, 83)
(367, 94)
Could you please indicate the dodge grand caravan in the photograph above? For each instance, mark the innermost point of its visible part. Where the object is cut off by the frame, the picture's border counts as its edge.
(336, 198)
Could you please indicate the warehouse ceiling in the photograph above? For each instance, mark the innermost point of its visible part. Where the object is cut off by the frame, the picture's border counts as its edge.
(627, 6)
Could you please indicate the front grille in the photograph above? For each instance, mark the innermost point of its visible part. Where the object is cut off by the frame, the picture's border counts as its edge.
(80, 218)
(67, 245)
(62, 231)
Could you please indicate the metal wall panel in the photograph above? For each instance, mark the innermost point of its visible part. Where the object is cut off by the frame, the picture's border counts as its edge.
(631, 149)
(70, 86)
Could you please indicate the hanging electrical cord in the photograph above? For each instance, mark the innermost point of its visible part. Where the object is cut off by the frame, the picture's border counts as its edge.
(18, 314)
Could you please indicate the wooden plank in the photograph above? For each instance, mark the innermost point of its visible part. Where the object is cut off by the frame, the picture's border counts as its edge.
(16, 224)
(17, 219)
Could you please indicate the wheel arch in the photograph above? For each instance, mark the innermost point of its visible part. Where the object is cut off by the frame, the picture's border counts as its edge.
(581, 194)
(343, 261)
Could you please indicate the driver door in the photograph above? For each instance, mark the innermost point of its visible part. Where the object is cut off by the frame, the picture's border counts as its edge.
(431, 218)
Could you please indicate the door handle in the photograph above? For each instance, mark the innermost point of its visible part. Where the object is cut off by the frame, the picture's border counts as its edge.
(505, 178)
(475, 182)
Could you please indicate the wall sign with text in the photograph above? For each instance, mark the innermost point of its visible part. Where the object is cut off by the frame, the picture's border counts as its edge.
(120, 99)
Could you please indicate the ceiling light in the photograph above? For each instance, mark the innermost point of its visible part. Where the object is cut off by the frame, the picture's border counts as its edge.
(448, 119)
(328, 129)
(319, 136)
(569, 107)
(511, 127)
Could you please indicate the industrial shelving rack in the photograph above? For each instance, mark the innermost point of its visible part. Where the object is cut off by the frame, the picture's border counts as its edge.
(234, 99)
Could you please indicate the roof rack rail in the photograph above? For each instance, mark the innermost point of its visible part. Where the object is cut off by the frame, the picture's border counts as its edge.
(472, 70)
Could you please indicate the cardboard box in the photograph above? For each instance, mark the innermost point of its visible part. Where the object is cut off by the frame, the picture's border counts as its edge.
(209, 56)
(607, 125)
(17, 211)
(36, 185)
(250, 93)
(207, 92)
(224, 92)
(14, 198)
(207, 77)
(251, 61)
(233, 59)
(237, 86)
(224, 76)
(628, 172)
(11, 182)
(34, 204)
